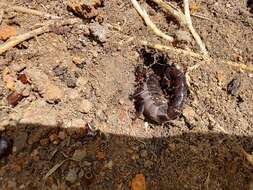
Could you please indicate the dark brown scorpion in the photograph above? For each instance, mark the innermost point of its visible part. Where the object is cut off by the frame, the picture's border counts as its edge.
(161, 92)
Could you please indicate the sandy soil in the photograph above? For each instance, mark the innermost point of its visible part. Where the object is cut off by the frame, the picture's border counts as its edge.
(81, 77)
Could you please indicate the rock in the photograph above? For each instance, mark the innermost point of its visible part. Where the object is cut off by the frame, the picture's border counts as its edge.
(43, 84)
(52, 93)
(84, 8)
(40, 114)
(85, 106)
(7, 31)
(138, 182)
(71, 176)
(20, 141)
(99, 31)
(71, 81)
(183, 36)
(79, 155)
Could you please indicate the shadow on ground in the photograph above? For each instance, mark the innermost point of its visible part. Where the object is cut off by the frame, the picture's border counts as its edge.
(189, 161)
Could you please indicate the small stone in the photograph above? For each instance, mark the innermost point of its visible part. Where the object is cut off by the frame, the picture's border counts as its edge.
(62, 135)
(77, 60)
(44, 142)
(138, 182)
(44, 85)
(71, 176)
(144, 153)
(85, 106)
(79, 155)
(71, 81)
(7, 31)
(99, 31)
(53, 93)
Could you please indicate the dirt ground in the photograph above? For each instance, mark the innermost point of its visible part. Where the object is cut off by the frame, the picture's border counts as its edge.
(74, 128)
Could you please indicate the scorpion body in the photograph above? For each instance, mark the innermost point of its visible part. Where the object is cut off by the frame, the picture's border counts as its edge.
(160, 96)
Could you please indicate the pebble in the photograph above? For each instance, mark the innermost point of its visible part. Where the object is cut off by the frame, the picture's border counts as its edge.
(79, 154)
(39, 113)
(43, 84)
(138, 182)
(71, 176)
(85, 106)
(99, 31)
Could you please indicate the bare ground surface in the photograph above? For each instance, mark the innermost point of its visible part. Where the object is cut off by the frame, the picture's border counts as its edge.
(84, 74)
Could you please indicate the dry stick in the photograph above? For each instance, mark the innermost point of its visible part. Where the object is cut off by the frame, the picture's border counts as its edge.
(171, 49)
(28, 11)
(46, 28)
(179, 16)
(191, 28)
(184, 20)
(149, 23)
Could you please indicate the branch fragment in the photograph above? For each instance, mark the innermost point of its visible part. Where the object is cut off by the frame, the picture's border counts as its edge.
(149, 23)
(47, 27)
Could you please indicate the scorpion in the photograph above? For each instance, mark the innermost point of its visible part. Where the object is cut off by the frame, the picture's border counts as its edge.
(160, 93)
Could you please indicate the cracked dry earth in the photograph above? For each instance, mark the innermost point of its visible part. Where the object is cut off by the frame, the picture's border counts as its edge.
(73, 128)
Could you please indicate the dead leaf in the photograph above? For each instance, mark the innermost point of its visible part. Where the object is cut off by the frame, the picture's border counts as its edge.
(7, 31)
(138, 182)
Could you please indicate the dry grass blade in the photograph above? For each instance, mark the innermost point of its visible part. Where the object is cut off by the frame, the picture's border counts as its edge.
(27, 10)
(149, 23)
(22, 37)
(53, 169)
(206, 58)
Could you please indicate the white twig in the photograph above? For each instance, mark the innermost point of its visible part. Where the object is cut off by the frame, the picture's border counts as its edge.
(149, 23)
(191, 28)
